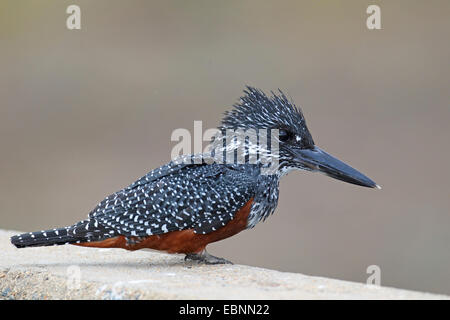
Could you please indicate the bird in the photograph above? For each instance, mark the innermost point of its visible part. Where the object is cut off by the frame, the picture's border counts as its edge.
(198, 199)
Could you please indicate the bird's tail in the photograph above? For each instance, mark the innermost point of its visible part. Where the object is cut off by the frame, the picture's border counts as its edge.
(83, 231)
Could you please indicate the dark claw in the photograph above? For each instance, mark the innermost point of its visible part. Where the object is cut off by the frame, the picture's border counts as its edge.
(206, 258)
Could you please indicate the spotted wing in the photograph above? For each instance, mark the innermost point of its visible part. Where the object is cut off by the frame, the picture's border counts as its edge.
(177, 197)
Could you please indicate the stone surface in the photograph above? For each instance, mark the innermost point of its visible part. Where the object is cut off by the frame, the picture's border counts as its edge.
(70, 272)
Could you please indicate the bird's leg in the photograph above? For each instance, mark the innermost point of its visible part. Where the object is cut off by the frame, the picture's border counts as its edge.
(206, 258)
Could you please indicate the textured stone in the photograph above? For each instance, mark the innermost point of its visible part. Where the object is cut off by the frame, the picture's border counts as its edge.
(51, 273)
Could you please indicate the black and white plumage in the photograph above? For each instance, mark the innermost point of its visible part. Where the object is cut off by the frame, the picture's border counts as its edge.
(203, 196)
(176, 197)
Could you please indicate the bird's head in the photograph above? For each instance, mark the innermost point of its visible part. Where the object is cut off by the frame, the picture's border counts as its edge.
(287, 126)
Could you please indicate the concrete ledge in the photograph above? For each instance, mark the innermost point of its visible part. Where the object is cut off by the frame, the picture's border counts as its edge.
(70, 272)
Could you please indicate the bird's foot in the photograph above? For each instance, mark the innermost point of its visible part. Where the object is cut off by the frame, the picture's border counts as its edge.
(206, 258)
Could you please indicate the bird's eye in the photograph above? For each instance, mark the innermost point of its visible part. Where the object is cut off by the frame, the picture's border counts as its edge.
(284, 135)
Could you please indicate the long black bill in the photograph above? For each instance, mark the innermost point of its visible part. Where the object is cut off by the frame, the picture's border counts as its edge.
(318, 160)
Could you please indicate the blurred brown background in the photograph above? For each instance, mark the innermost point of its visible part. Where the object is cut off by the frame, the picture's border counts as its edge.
(84, 113)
